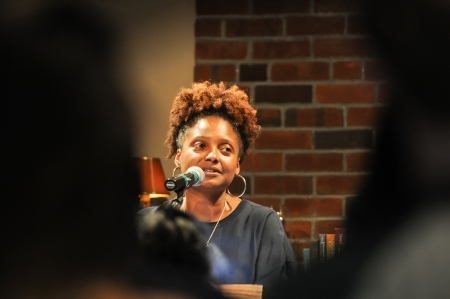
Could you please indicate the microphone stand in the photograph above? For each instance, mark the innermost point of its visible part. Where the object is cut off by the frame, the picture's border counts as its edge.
(178, 201)
(175, 203)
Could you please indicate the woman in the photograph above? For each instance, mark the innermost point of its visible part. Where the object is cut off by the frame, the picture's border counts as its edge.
(213, 127)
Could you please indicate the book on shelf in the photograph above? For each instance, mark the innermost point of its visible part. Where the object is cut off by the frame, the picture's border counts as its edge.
(306, 259)
(322, 248)
(313, 254)
(330, 246)
(341, 240)
(325, 248)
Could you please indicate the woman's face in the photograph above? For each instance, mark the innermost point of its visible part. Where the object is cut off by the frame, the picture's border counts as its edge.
(212, 145)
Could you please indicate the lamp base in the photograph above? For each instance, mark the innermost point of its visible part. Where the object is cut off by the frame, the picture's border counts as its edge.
(145, 200)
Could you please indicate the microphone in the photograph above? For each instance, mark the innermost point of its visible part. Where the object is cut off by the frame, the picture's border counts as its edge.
(194, 176)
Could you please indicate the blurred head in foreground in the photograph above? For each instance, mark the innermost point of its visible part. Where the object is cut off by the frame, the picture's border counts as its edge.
(68, 191)
(173, 254)
(412, 156)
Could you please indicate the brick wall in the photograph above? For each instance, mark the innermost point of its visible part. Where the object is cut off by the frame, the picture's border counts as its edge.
(311, 69)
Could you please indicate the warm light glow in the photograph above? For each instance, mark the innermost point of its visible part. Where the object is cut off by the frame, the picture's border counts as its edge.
(152, 181)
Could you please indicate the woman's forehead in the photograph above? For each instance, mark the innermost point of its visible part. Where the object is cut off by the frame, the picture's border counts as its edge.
(212, 125)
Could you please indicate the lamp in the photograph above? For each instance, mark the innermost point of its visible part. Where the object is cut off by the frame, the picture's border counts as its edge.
(152, 178)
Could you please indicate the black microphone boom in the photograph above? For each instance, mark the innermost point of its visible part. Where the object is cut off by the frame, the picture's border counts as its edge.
(194, 176)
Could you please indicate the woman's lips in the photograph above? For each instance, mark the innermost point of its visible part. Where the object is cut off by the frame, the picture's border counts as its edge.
(211, 172)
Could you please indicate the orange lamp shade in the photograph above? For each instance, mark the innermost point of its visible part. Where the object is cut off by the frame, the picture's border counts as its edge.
(152, 177)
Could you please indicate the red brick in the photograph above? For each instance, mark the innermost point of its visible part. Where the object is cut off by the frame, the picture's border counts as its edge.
(280, 6)
(314, 162)
(339, 184)
(295, 207)
(375, 71)
(358, 161)
(314, 25)
(278, 94)
(357, 25)
(218, 7)
(284, 140)
(215, 73)
(281, 184)
(269, 117)
(295, 71)
(347, 70)
(296, 229)
(348, 93)
(278, 50)
(253, 27)
(336, 6)
(328, 226)
(252, 72)
(317, 206)
(363, 116)
(344, 139)
(343, 47)
(225, 73)
(329, 207)
(314, 117)
(220, 50)
(207, 28)
(262, 162)
(202, 73)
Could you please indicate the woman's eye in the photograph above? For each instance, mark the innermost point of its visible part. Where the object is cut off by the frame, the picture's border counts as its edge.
(199, 145)
(226, 149)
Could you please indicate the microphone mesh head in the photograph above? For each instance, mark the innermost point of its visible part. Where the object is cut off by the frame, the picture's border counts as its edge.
(200, 174)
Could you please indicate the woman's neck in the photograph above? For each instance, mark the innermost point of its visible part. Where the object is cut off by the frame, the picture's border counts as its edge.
(205, 208)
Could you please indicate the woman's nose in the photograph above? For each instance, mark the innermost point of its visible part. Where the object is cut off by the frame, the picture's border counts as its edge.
(212, 155)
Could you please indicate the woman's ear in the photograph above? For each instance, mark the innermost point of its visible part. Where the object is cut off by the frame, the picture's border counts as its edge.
(238, 168)
(176, 160)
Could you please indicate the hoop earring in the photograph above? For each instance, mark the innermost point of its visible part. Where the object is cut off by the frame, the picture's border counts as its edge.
(175, 169)
(245, 186)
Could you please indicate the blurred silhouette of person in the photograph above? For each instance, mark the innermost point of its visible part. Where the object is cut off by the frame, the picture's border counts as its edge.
(67, 222)
(399, 222)
(411, 185)
(67, 219)
(173, 255)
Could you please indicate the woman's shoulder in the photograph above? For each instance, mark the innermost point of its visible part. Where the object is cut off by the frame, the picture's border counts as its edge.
(255, 208)
(255, 205)
(259, 215)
